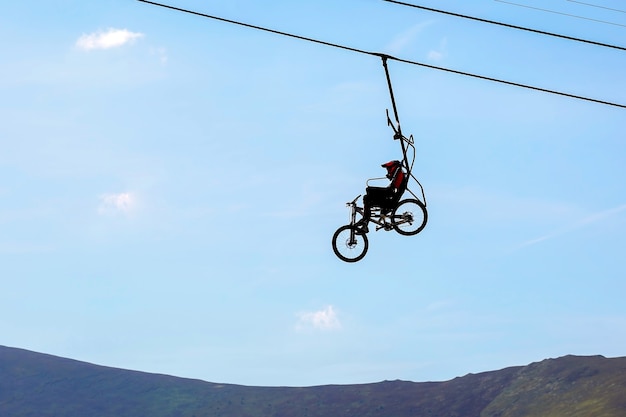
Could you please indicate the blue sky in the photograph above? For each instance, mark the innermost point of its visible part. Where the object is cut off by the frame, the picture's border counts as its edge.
(170, 185)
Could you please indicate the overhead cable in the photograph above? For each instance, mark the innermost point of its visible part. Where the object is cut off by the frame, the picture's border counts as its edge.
(384, 56)
(277, 32)
(493, 22)
(561, 13)
(597, 5)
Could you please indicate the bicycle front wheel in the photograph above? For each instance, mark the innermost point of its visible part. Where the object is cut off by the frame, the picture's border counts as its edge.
(349, 245)
(409, 217)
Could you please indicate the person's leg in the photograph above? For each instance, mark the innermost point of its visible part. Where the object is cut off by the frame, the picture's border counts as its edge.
(373, 196)
(367, 208)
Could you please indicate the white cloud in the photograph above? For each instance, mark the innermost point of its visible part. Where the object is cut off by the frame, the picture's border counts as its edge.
(325, 319)
(116, 203)
(111, 38)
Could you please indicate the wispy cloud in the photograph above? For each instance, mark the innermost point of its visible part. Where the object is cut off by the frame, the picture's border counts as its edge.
(161, 53)
(404, 39)
(503, 207)
(111, 204)
(439, 53)
(324, 319)
(592, 218)
(111, 38)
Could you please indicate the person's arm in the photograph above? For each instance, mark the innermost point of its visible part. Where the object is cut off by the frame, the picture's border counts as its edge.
(396, 180)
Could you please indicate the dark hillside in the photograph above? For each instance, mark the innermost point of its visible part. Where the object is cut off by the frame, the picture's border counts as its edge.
(33, 384)
(571, 386)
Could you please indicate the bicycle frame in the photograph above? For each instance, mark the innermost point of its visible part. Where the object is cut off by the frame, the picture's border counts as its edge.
(380, 219)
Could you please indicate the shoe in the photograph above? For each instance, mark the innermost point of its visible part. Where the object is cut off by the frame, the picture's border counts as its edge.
(361, 227)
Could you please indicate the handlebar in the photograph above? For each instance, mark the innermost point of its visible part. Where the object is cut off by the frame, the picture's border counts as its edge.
(353, 202)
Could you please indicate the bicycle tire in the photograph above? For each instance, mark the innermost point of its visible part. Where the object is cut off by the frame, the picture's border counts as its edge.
(349, 245)
(409, 217)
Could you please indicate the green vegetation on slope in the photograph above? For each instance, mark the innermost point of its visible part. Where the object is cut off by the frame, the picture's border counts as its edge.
(33, 384)
(570, 386)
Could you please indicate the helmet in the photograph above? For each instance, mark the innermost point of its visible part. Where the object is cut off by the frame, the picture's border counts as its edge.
(391, 166)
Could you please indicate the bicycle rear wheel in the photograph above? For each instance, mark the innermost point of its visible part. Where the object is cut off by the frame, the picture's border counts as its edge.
(409, 217)
(349, 245)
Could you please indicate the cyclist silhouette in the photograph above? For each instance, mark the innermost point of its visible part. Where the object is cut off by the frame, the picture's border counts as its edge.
(384, 197)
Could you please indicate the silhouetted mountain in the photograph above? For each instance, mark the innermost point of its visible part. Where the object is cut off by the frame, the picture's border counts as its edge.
(38, 385)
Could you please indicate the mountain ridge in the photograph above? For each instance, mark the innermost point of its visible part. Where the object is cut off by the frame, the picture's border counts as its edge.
(36, 384)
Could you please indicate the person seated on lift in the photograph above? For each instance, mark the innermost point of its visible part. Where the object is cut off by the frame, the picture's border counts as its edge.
(384, 197)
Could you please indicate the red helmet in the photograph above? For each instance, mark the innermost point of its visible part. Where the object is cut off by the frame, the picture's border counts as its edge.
(391, 166)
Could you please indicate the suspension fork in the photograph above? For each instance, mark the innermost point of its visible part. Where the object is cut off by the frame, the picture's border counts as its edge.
(353, 211)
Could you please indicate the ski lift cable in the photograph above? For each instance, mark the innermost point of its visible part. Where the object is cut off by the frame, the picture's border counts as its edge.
(406, 61)
(561, 13)
(493, 22)
(277, 32)
(598, 6)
